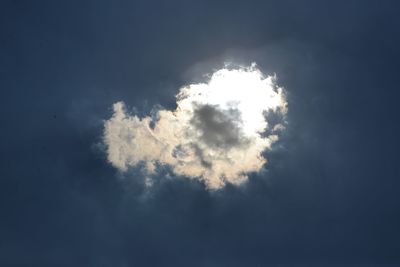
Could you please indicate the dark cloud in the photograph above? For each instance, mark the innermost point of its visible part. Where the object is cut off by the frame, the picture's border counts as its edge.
(329, 196)
(218, 128)
(200, 153)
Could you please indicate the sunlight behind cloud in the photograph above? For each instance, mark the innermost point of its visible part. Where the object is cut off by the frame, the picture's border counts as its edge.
(217, 133)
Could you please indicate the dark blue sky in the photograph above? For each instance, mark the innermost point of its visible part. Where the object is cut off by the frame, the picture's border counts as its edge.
(330, 193)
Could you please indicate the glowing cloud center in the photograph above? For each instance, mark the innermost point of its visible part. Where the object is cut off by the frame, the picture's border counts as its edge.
(217, 133)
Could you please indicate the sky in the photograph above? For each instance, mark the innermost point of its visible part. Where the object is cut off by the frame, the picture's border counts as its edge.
(327, 195)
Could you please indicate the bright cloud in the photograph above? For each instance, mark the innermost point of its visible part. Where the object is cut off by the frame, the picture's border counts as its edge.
(217, 133)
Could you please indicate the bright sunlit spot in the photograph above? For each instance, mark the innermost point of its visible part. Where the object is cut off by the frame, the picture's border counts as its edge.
(244, 89)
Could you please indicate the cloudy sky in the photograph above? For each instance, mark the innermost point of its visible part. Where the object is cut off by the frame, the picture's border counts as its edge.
(199, 133)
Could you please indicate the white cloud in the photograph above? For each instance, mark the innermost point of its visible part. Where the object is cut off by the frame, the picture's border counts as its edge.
(216, 134)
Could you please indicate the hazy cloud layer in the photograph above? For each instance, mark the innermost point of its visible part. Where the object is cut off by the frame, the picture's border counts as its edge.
(216, 134)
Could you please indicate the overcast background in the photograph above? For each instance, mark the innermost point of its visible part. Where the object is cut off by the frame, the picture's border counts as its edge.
(329, 195)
